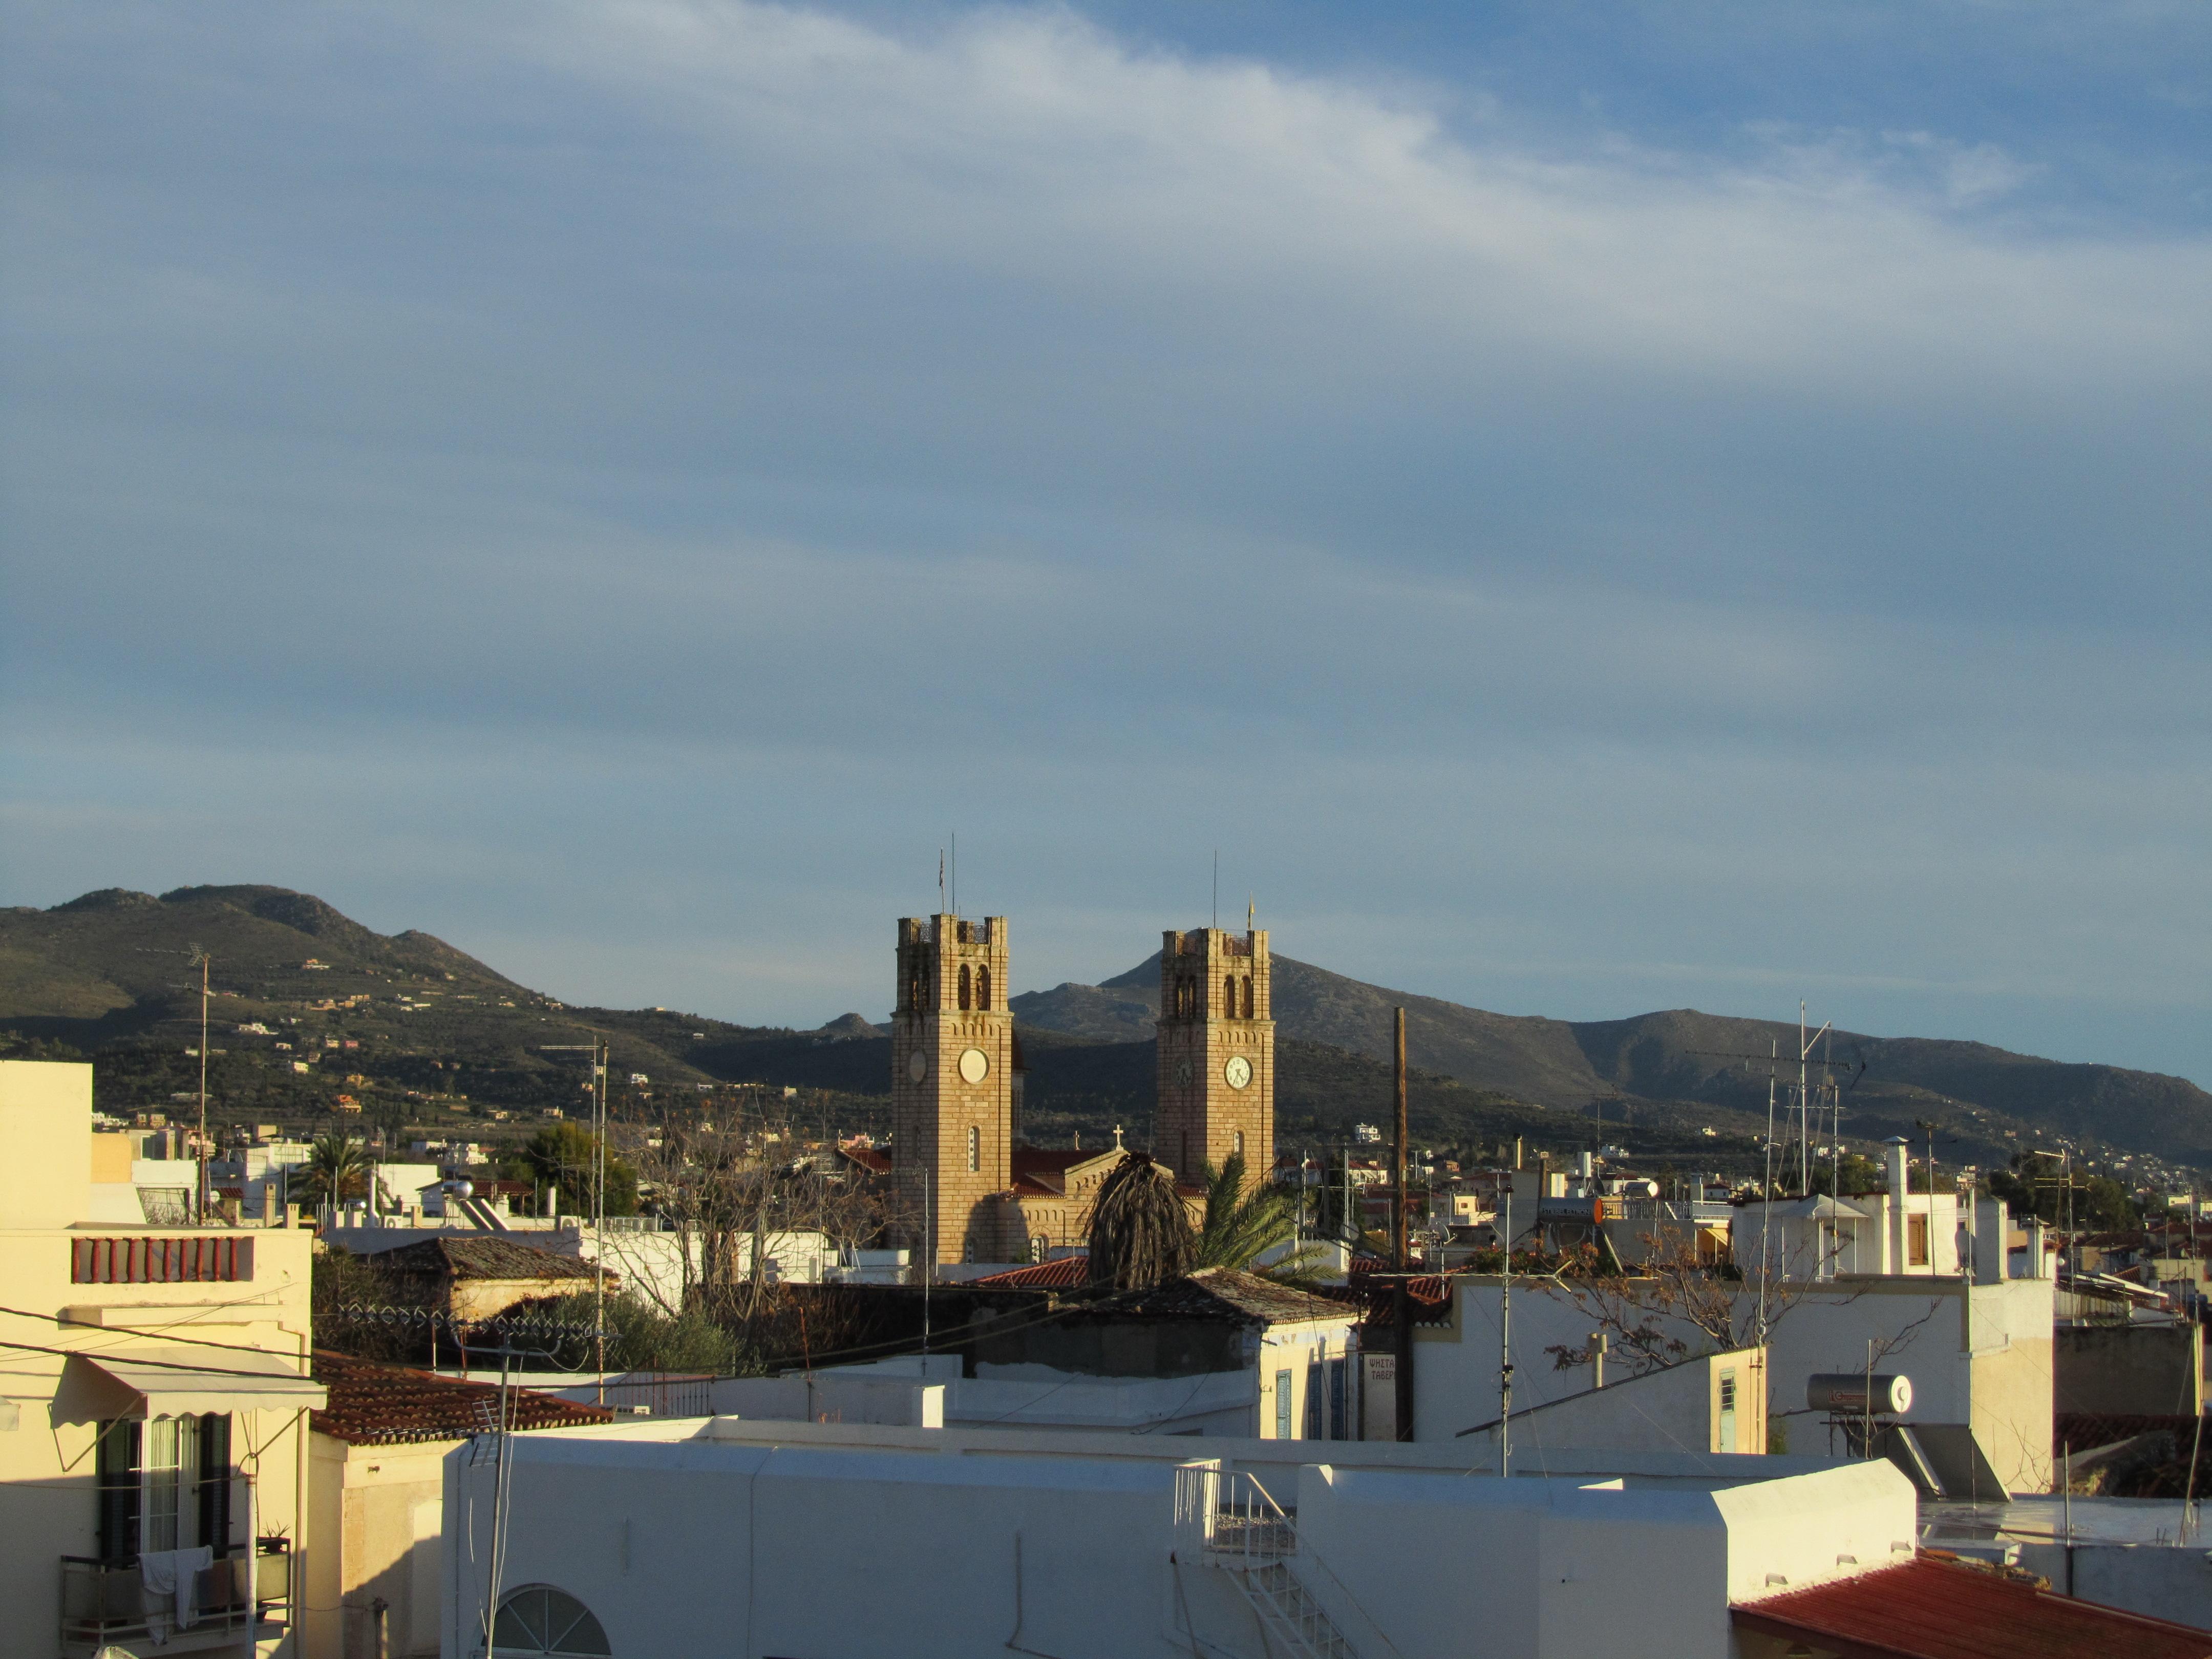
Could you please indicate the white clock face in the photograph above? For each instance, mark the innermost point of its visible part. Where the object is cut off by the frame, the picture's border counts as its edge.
(975, 1065)
(1237, 1073)
(917, 1066)
(1183, 1072)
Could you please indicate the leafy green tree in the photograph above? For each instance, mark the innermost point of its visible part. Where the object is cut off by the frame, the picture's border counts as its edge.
(1859, 1175)
(562, 1155)
(642, 1337)
(336, 1170)
(2037, 1186)
(1240, 1226)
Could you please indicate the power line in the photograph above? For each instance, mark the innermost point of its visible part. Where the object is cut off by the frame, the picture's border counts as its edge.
(158, 1364)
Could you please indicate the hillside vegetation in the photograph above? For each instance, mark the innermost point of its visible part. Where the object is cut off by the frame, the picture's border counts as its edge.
(1680, 1065)
(407, 1025)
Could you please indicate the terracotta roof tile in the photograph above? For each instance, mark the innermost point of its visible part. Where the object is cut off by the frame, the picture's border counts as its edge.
(1937, 1608)
(375, 1405)
(1068, 1272)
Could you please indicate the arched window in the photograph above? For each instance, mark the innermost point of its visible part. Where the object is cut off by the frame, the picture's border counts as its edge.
(963, 985)
(1248, 996)
(917, 989)
(539, 1619)
(975, 1149)
(1229, 997)
(1240, 1143)
(983, 988)
(1038, 1246)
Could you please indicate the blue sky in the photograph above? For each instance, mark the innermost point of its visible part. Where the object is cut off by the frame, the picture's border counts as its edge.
(1588, 509)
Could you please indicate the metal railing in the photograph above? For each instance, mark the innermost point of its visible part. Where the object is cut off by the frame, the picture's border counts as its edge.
(106, 1602)
(1231, 1521)
(662, 1394)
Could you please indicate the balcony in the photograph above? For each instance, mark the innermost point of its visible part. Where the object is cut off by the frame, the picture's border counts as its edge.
(241, 1597)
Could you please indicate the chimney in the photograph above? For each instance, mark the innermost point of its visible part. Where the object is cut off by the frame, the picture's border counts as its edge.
(1895, 1162)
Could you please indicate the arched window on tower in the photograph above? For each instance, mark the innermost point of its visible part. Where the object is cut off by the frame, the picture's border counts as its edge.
(917, 983)
(1240, 1143)
(975, 1149)
(963, 986)
(1248, 996)
(1229, 997)
(983, 989)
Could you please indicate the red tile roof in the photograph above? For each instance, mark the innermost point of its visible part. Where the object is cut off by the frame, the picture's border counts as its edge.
(1937, 1608)
(871, 1158)
(373, 1405)
(1068, 1272)
(1429, 1296)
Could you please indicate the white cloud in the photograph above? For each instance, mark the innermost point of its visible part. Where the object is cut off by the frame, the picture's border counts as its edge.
(1549, 558)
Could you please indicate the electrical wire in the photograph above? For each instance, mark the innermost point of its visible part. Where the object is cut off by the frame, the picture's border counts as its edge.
(158, 1364)
(167, 1332)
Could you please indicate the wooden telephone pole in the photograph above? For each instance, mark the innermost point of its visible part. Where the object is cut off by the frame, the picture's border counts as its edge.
(1400, 1256)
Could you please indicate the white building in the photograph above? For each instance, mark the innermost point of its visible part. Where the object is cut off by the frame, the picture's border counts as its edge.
(831, 1540)
(1977, 1352)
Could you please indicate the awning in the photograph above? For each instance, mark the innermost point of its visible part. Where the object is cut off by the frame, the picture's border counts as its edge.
(191, 1381)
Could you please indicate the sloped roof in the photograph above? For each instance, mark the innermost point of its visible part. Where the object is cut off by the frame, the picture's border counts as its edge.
(1934, 1608)
(375, 1405)
(1429, 1296)
(1223, 1292)
(1068, 1272)
(873, 1159)
(481, 1255)
(1044, 1171)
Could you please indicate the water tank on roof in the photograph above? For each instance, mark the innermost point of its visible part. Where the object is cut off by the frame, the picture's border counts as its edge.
(1855, 1393)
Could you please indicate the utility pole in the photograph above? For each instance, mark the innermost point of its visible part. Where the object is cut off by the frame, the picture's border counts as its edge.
(1506, 1348)
(1402, 1256)
(1766, 1189)
(598, 1209)
(200, 1191)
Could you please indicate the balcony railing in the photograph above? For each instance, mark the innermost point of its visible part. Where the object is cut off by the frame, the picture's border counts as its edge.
(106, 1602)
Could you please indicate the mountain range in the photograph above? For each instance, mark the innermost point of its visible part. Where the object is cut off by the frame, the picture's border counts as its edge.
(111, 973)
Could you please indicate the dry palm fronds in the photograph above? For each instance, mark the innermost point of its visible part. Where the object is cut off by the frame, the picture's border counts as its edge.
(1140, 1234)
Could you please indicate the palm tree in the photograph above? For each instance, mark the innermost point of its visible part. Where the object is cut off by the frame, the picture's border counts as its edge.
(336, 1168)
(1140, 1234)
(1241, 1226)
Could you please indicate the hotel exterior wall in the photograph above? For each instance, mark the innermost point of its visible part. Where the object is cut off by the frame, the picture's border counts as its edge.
(48, 1506)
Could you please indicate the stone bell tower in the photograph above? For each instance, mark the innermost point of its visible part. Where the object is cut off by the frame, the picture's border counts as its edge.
(952, 1091)
(1216, 1053)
